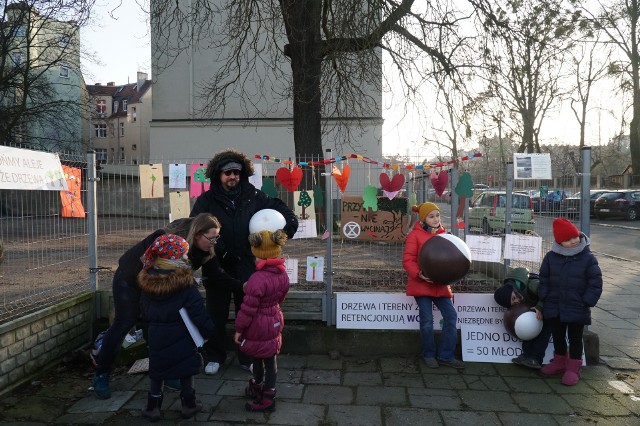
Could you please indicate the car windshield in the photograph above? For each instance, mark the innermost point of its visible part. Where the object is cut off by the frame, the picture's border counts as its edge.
(517, 201)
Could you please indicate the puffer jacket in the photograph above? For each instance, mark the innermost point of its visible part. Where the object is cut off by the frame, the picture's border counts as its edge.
(260, 320)
(570, 283)
(172, 352)
(232, 249)
(415, 285)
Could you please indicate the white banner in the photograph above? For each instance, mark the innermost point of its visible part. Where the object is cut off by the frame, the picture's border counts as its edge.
(30, 170)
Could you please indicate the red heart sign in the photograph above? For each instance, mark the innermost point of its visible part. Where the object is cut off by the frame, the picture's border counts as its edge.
(392, 185)
(342, 177)
(439, 181)
(289, 179)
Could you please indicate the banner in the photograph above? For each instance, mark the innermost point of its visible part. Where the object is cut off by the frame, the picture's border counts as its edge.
(387, 223)
(30, 170)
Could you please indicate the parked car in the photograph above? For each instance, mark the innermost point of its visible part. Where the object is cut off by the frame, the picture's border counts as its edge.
(488, 212)
(625, 203)
(571, 205)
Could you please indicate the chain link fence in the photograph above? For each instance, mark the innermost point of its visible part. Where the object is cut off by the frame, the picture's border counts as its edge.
(355, 216)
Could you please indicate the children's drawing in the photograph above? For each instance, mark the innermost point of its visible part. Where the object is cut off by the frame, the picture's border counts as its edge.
(199, 182)
(179, 204)
(177, 176)
(151, 181)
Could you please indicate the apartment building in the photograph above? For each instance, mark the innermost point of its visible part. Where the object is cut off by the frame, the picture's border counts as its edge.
(120, 116)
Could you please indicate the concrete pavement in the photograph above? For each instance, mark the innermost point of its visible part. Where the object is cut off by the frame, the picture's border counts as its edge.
(372, 390)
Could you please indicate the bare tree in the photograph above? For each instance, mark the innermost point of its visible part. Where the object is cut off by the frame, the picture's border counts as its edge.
(333, 49)
(589, 64)
(525, 62)
(619, 21)
(40, 80)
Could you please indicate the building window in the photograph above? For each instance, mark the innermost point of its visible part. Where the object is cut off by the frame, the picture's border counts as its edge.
(121, 129)
(124, 105)
(115, 107)
(121, 153)
(101, 130)
(64, 41)
(134, 147)
(134, 113)
(21, 31)
(101, 107)
(17, 59)
(64, 71)
(101, 154)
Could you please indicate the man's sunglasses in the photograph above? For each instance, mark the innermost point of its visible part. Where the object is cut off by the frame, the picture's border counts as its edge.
(231, 172)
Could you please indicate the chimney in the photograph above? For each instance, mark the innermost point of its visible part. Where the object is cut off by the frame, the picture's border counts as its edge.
(142, 77)
(111, 83)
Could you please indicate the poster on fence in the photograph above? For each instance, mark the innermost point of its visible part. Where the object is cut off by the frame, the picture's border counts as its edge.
(30, 170)
(388, 223)
(151, 181)
(199, 183)
(177, 176)
(71, 198)
(179, 204)
(532, 166)
(527, 248)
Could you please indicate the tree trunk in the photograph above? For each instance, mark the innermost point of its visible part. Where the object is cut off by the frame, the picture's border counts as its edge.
(302, 20)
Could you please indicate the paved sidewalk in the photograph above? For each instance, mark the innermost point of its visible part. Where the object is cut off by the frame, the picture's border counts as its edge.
(318, 390)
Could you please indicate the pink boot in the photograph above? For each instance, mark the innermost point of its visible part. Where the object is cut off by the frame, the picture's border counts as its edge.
(556, 366)
(571, 376)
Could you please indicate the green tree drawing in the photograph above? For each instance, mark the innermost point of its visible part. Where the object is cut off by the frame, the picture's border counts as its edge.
(200, 177)
(304, 202)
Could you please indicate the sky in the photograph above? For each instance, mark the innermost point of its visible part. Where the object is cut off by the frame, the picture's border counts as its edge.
(119, 38)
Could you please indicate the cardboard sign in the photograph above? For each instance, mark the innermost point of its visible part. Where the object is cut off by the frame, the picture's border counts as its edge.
(388, 223)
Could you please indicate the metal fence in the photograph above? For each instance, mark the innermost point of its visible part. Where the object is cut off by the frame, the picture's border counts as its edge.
(48, 257)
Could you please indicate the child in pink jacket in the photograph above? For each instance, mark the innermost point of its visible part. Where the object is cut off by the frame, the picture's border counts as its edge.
(260, 322)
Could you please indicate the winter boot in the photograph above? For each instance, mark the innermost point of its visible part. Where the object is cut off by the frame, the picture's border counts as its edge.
(253, 390)
(190, 405)
(571, 376)
(152, 412)
(101, 386)
(264, 402)
(556, 366)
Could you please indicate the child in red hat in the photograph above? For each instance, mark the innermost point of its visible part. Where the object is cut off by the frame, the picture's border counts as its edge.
(570, 285)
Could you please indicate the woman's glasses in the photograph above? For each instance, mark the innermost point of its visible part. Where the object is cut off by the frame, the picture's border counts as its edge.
(213, 240)
(231, 172)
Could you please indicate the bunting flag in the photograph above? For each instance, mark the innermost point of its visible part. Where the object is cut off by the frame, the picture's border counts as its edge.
(384, 165)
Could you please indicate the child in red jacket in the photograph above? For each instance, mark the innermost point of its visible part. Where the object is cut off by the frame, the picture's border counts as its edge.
(427, 293)
(260, 322)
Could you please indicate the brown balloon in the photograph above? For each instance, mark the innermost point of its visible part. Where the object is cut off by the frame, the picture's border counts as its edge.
(511, 315)
(444, 259)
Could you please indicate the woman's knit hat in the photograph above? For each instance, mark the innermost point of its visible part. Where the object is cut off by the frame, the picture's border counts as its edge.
(267, 244)
(168, 251)
(502, 295)
(424, 209)
(564, 230)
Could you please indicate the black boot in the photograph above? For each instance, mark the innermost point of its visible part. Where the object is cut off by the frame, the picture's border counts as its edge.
(152, 412)
(190, 405)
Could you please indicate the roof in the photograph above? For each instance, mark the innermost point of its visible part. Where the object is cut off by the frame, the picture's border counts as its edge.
(128, 92)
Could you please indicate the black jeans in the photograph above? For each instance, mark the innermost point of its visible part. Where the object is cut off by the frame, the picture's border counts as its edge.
(218, 302)
(126, 304)
(574, 331)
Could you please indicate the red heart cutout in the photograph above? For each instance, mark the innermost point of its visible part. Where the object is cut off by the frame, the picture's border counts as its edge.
(342, 177)
(392, 185)
(439, 181)
(289, 179)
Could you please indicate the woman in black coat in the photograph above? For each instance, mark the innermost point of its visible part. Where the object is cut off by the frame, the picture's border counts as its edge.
(201, 232)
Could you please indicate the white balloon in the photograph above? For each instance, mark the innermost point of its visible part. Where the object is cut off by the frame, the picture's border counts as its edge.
(527, 326)
(267, 220)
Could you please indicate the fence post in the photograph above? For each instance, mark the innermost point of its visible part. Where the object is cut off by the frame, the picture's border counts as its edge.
(507, 213)
(92, 225)
(328, 306)
(585, 192)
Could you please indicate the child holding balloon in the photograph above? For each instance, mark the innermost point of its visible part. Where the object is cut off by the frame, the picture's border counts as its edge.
(520, 286)
(570, 285)
(427, 293)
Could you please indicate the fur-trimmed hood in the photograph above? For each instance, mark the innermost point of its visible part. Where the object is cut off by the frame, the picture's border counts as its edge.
(162, 283)
(224, 157)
